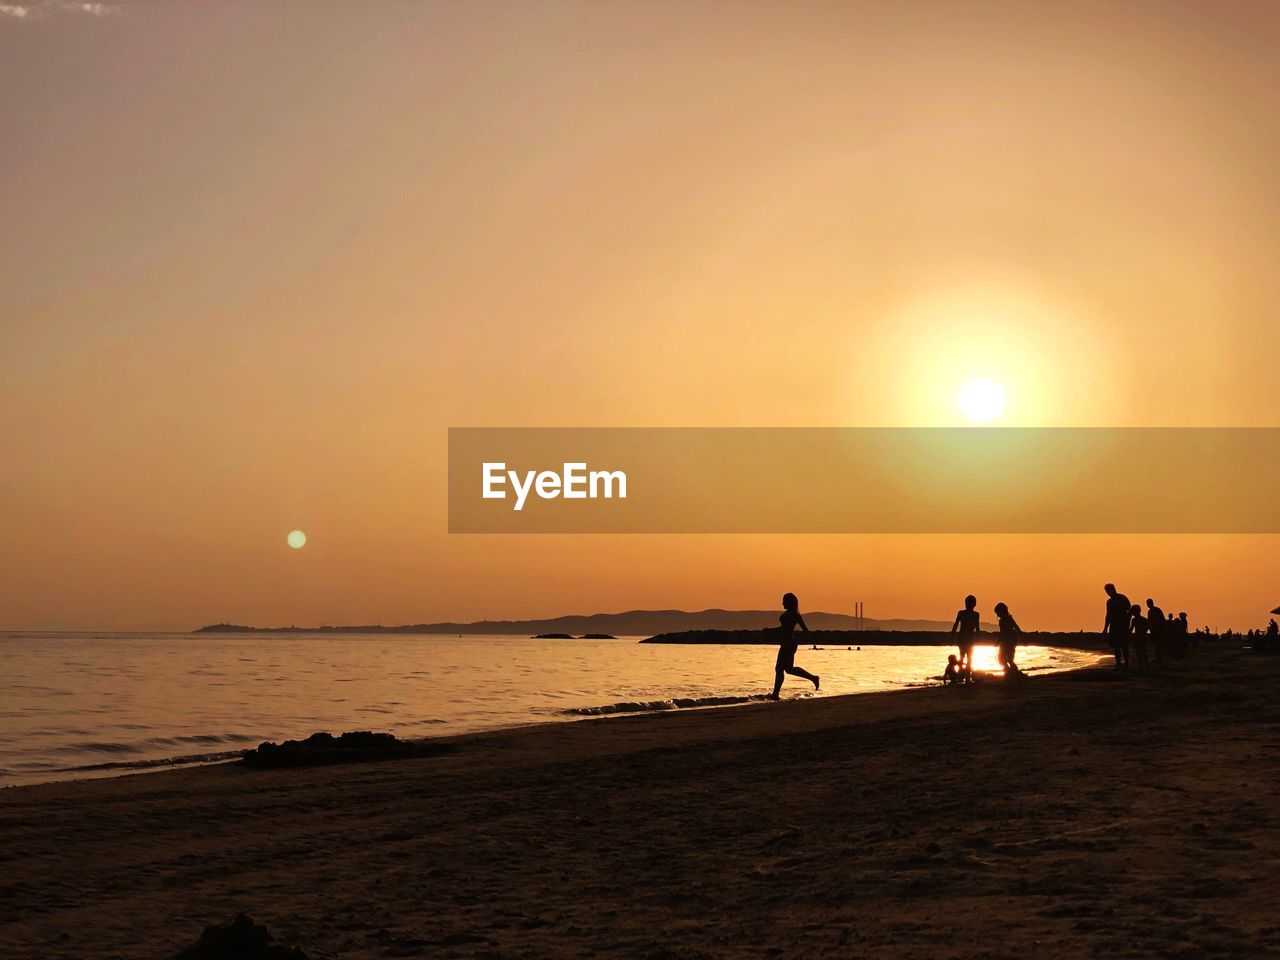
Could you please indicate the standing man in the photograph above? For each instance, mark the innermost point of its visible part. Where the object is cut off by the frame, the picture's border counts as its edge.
(1159, 629)
(1116, 627)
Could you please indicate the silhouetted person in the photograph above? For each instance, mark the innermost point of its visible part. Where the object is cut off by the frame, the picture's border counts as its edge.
(953, 674)
(1193, 636)
(1116, 626)
(1159, 627)
(787, 644)
(1139, 623)
(966, 630)
(1009, 634)
(1178, 641)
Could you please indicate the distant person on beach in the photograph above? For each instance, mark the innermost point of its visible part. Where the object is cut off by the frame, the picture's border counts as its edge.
(1139, 623)
(1116, 626)
(966, 630)
(1009, 634)
(1159, 627)
(787, 644)
(1271, 642)
(953, 674)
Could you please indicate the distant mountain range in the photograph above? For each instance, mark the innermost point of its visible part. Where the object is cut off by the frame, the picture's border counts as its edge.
(632, 623)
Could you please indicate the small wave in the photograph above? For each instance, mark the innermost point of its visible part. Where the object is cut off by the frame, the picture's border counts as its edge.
(650, 706)
(152, 764)
(103, 747)
(209, 738)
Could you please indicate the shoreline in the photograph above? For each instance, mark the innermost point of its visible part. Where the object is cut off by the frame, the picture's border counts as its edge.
(1081, 812)
(732, 697)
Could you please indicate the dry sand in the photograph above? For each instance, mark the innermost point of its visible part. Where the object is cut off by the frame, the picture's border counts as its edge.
(1078, 815)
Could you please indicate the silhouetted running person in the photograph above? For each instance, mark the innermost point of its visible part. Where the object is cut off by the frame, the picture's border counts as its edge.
(787, 644)
(1159, 627)
(1139, 636)
(1116, 626)
(966, 630)
(1009, 633)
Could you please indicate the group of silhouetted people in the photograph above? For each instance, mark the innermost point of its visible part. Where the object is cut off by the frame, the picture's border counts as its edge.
(1265, 641)
(959, 670)
(1134, 635)
(966, 627)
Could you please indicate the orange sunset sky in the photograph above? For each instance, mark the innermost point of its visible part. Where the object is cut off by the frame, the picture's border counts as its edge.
(258, 257)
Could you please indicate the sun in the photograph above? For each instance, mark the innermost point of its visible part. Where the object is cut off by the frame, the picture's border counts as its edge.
(297, 539)
(981, 400)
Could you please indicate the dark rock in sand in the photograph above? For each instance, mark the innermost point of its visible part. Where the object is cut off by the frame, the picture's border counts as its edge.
(241, 939)
(351, 747)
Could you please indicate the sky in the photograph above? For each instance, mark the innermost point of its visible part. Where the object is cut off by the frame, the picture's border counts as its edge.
(258, 258)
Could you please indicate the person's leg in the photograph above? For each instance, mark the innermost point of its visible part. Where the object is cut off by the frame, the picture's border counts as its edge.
(777, 684)
(801, 672)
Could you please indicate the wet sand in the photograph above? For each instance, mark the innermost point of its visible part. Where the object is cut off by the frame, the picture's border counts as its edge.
(1074, 815)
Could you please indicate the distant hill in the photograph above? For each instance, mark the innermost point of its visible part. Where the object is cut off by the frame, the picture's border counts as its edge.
(632, 623)
(873, 638)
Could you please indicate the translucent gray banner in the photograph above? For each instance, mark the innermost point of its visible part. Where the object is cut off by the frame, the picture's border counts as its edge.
(864, 480)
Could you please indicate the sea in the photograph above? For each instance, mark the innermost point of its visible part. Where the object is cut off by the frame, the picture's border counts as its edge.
(75, 705)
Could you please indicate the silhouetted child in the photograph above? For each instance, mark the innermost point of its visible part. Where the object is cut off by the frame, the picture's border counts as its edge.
(966, 630)
(1140, 627)
(1009, 634)
(787, 644)
(953, 673)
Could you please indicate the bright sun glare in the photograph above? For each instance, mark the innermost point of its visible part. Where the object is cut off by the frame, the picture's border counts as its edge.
(981, 400)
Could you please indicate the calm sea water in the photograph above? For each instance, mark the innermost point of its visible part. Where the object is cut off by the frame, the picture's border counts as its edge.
(76, 705)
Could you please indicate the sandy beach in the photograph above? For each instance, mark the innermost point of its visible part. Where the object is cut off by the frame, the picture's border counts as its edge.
(1082, 814)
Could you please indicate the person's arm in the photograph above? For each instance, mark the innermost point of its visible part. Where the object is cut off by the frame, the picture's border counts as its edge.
(800, 620)
(956, 626)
